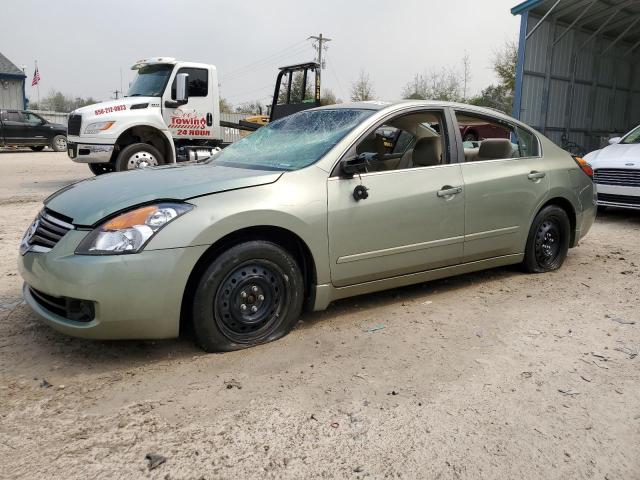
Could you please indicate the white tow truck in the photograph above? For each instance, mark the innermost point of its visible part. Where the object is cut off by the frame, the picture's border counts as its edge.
(171, 114)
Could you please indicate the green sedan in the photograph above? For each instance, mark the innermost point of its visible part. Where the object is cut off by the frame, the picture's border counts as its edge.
(324, 204)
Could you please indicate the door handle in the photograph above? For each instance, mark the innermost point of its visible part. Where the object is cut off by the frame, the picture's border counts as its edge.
(209, 119)
(533, 176)
(448, 190)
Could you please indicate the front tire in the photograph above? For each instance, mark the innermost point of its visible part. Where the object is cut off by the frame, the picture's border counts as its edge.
(59, 143)
(138, 155)
(548, 241)
(249, 295)
(101, 168)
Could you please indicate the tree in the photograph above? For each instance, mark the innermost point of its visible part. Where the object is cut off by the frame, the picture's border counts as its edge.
(254, 107)
(329, 98)
(505, 62)
(297, 95)
(466, 74)
(59, 102)
(225, 106)
(362, 89)
(500, 96)
(443, 85)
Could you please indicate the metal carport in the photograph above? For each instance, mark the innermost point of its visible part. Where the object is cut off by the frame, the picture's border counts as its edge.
(578, 71)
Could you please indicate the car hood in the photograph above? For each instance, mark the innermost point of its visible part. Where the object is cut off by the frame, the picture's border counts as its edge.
(616, 156)
(58, 126)
(89, 201)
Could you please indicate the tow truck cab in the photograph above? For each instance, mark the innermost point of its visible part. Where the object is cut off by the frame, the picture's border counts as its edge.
(170, 113)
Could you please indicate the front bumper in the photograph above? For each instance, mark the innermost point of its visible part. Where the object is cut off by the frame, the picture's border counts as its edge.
(89, 152)
(618, 196)
(136, 296)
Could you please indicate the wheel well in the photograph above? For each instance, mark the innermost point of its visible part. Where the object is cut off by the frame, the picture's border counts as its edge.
(286, 239)
(144, 134)
(571, 213)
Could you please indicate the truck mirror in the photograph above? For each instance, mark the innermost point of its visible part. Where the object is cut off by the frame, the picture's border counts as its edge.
(182, 94)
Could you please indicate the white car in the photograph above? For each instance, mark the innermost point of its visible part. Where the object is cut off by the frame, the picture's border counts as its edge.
(617, 171)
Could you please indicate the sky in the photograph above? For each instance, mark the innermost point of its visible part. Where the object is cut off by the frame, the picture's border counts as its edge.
(83, 46)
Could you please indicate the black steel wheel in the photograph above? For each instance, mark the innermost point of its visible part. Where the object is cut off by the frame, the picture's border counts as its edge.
(548, 241)
(250, 294)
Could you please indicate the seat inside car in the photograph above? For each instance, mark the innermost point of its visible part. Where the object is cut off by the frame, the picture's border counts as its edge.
(426, 152)
(494, 149)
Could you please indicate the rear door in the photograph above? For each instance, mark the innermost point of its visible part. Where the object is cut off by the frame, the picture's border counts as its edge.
(505, 180)
(195, 118)
(14, 127)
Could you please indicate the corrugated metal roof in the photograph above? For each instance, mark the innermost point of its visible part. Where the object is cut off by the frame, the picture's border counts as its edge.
(6, 66)
(592, 15)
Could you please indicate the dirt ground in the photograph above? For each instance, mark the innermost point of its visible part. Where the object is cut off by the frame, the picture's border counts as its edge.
(495, 375)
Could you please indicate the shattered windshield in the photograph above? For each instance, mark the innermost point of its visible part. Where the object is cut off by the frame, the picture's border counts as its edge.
(632, 137)
(150, 81)
(293, 142)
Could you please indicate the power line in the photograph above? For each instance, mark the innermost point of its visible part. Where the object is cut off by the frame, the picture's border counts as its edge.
(265, 64)
(267, 58)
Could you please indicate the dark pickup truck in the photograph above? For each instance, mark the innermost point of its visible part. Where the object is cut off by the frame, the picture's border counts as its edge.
(26, 129)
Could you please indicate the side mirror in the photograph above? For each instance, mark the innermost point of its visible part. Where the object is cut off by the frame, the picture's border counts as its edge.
(614, 140)
(357, 164)
(182, 94)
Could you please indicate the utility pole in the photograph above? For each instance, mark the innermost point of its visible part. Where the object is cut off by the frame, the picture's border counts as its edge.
(319, 47)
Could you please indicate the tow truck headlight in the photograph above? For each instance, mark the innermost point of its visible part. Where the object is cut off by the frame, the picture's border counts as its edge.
(98, 127)
(129, 232)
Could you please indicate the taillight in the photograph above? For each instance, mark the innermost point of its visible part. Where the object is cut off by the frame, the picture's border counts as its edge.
(584, 166)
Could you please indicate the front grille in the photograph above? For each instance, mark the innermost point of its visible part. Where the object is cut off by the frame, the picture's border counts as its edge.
(617, 176)
(622, 199)
(69, 308)
(46, 231)
(74, 125)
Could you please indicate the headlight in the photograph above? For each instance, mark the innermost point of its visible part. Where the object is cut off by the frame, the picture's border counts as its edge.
(98, 127)
(130, 231)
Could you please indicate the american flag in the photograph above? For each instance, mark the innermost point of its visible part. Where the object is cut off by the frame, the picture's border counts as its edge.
(36, 78)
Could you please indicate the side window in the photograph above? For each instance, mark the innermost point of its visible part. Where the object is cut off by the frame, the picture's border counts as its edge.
(527, 143)
(32, 119)
(408, 141)
(485, 138)
(198, 85)
(13, 117)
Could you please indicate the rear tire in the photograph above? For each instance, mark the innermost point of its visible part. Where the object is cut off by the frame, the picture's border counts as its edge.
(138, 155)
(548, 241)
(37, 148)
(59, 143)
(101, 168)
(249, 295)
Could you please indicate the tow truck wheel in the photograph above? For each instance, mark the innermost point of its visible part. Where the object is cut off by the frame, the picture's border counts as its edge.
(138, 155)
(100, 168)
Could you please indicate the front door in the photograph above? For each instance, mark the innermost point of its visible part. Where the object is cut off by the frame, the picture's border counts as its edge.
(193, 120)
(38, 130)
(505, 181)
(413, 217)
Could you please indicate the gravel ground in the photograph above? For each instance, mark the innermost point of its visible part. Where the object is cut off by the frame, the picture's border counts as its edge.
(495, 375)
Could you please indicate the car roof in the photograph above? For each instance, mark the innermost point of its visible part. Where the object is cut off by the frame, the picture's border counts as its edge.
(378, 105)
